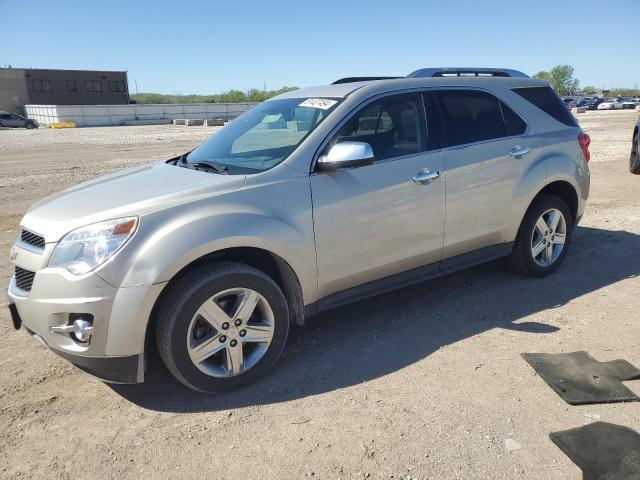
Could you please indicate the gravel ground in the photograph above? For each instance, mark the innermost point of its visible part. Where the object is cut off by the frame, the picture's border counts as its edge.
(423, 383)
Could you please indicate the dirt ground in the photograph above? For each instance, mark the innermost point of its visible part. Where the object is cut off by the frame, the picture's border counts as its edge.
(423, 383)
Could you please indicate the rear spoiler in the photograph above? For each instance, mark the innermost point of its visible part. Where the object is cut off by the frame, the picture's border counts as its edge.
(360, 79)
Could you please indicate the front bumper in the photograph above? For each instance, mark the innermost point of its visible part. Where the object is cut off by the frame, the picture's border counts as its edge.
(57, 297)
(115, 369)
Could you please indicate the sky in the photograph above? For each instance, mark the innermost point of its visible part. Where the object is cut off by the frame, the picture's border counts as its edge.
(214, 46)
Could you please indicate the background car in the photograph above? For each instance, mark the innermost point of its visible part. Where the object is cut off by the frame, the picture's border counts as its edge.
(593, 104)
(610, 104)
(16, 121)
(629, 104)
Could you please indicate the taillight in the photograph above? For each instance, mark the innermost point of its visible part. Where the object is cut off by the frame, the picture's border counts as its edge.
(585, 140)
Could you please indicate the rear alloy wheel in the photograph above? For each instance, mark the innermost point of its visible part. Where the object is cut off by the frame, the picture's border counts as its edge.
(543, 238)
(222, 326)
(634, 161)
(548, 237)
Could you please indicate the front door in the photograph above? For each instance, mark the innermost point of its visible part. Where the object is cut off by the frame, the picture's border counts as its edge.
(374, 221)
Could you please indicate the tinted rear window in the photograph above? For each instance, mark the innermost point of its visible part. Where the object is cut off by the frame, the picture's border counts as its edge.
(470, 116)
(546, 100)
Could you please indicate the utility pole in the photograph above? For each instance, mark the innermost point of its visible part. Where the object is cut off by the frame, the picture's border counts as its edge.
(137, 94)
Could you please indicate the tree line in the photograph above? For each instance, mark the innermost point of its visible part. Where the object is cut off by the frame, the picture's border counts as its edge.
(562, 80)
(232, 96)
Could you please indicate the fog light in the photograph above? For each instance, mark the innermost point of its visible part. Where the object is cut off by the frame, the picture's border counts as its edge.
(82, 330)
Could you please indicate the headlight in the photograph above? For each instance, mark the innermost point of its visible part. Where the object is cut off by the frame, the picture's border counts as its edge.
(86, 248)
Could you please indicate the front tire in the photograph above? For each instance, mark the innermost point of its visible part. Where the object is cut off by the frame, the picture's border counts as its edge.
(634, 160)
(222, 326)
(543, 238)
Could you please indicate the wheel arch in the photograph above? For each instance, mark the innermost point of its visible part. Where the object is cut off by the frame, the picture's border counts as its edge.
(564, 190)
(264, 260)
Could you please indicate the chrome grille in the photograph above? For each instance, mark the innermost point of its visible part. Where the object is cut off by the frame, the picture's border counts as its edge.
(32, 238)
(24, 279)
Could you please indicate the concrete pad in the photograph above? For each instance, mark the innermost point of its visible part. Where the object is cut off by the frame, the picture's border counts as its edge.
(179, 121)
(214, 123)
(191, 122)
(575, 110)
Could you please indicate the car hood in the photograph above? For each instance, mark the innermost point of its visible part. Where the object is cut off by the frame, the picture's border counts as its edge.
(133, 191)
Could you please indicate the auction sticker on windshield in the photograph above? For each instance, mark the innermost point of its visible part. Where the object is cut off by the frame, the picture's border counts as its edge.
(321, 103)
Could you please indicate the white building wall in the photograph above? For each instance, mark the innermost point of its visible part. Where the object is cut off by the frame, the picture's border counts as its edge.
(106, 115)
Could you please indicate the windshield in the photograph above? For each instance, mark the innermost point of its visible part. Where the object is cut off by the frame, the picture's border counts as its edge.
(264, 136)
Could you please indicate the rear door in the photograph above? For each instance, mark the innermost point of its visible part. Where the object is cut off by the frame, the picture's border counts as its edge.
(5, 119)
(375, 221)
(487, 150)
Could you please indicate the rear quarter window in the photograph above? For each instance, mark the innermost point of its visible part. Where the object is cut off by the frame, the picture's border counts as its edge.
(546, 100)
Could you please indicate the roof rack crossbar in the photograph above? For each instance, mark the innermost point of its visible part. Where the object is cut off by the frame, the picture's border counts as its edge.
(464, 71)
(360, 79)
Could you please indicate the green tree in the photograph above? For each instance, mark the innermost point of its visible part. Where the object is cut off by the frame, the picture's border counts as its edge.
(561, 79)
(543, 76)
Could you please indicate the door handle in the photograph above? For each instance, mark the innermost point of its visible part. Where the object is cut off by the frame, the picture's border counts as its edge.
(519, 151)
(425, 176)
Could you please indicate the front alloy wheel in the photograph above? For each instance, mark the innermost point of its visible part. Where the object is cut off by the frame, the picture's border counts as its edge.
(221, 326)
(230, 332)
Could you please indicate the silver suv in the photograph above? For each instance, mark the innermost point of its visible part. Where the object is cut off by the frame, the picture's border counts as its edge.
(311, 200)
(16, 121)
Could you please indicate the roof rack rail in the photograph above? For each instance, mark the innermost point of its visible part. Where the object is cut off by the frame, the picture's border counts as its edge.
(466, 71)
(361, 79)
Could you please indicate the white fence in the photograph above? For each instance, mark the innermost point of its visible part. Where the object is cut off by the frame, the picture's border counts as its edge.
(105, 115)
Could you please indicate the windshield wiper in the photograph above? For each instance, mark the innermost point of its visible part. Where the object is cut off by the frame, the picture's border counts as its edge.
(215, 167)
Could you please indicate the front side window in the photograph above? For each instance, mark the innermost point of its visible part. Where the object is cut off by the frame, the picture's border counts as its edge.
(470, 116)
(394, 126)
(264, 136)
(72, 86)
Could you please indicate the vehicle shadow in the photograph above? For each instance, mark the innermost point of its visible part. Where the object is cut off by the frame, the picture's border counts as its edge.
(381, 335)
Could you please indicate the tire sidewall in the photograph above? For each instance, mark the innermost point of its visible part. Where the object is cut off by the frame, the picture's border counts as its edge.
(634, 160)
(545, 203)
(184, 311)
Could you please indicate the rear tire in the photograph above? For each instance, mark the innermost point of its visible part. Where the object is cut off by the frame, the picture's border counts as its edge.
(222, 326)
(634, 160)
(29, 126)
(543, 238)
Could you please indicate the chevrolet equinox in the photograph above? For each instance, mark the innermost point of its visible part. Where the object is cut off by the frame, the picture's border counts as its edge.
(310, 200)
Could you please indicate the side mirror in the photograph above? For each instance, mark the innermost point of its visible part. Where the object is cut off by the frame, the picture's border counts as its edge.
(346, 155)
